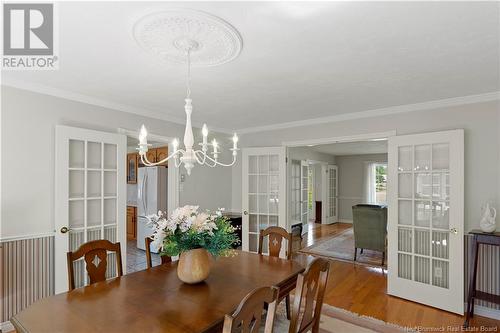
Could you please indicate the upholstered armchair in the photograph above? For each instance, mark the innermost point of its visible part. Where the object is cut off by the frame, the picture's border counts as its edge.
(370, 228)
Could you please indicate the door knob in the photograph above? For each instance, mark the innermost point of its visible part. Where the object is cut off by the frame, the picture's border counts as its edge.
(65, 230)
(454, 230)
(245, 212)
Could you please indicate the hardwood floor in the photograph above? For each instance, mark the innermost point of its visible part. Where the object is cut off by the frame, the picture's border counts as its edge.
(363, 290)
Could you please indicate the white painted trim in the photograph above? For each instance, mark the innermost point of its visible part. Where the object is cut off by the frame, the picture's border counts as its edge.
(345, 221)
(485, 312)
(436, 104)
(29, 236)
(82, 98)
(338, 139)
(6, 327)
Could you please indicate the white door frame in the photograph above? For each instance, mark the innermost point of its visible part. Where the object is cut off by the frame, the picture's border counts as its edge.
(173, 188)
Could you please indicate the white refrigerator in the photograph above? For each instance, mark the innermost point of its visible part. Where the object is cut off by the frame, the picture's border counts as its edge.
(151, 197)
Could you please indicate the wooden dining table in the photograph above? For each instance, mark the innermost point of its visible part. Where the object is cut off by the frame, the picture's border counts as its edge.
(155, 300)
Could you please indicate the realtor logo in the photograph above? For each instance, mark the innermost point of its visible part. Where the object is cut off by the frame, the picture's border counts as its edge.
(28, 36)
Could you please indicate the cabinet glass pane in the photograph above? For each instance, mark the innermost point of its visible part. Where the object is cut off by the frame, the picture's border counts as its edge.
(440, 215)
(422, 269)
(253, 242)
(405, 185)
(263, 204)
(440, 244)
(422, 158)
(405, 158)
(252, 220)
(93, 234)
(423, 185)
(274, 163)
(93, 184)
(94, 155)
(422, 213)
(441, 156)
(405, 212)
(93, 212)
(404, 266)
(109, 156)
(441, 186)
(110, 233)
(76, 184)
(422, 242)
(263, 164)
(252, 183)
(109, 183)
(76, 214)
(76, 154)
(440, 273)
(404, 239)
(263, 184)
(253, 164)
(109, 211)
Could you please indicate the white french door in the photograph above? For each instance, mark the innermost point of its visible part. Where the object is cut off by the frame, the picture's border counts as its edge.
(90, 196)
(426, 222)
(263, 193)
(304, 193)
(329, 194)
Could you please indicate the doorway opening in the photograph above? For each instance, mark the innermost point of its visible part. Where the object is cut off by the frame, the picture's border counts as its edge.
(336, 180)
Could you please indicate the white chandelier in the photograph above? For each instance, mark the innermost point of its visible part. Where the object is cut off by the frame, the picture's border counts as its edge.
(188, 156)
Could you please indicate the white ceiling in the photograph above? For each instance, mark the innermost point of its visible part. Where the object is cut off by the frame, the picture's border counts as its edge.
(299, 60)
(353, 148)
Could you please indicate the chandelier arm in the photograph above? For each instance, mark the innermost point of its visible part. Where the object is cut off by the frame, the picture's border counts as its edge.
(222, 164)
(145, 160)
(204, 159)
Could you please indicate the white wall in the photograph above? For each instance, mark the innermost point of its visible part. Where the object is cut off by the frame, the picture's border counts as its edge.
(307, 153)
(351, 174)
(480, 122)
(28, 129)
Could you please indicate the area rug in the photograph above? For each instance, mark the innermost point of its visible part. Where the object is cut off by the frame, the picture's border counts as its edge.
(341, 246)
(337, 320)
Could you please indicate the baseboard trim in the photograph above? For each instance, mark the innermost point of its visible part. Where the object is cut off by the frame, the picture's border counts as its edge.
(6, 327)
(344, 221)
(484, 311)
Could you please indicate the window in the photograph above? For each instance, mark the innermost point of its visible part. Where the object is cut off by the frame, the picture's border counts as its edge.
(380, 185)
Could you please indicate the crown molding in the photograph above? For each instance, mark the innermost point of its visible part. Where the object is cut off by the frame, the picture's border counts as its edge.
(448, 102)
(82, 98)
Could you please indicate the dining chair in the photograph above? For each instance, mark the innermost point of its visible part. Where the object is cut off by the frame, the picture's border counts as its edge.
(248, 315)
(276, 236)
(309, 294)
(95, 254)
(149, 261)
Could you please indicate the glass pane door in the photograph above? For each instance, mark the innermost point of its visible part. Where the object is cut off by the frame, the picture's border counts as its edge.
(332, 193)
(263, 187)
(90, 196)
(304, 192)
(92, 199)
(426, 218)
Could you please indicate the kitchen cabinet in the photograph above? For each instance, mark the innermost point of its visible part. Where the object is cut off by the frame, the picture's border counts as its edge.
(132, 164)
(155, 155)
(131, 223)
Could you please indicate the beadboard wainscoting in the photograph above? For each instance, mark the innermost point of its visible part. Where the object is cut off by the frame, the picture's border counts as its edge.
(27, 274)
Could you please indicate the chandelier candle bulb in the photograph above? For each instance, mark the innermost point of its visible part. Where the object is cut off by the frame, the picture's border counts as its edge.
(143, 140)
(175, 144)
(235, 141)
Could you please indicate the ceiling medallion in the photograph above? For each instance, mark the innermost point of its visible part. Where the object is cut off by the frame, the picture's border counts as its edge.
(167, 34)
